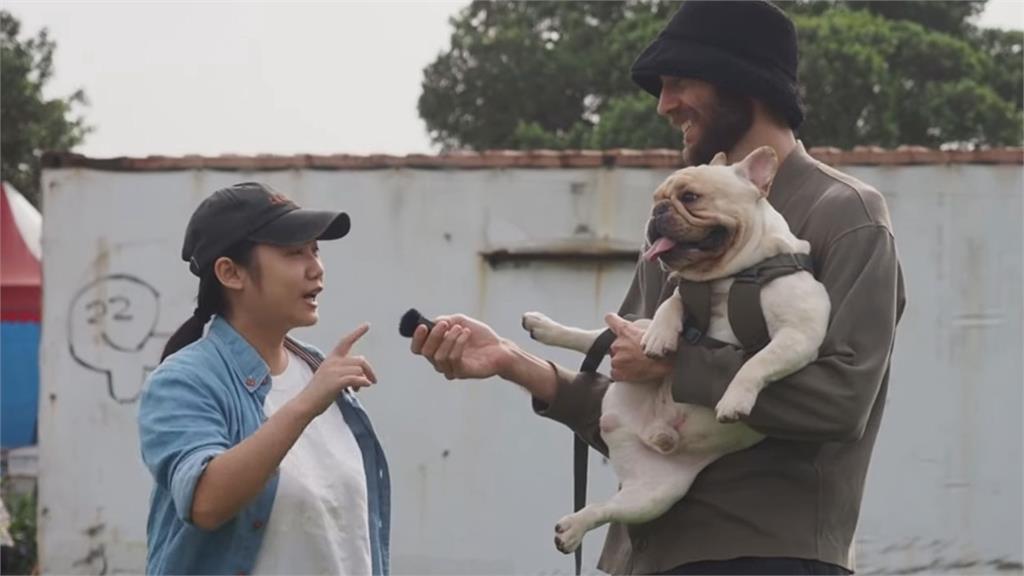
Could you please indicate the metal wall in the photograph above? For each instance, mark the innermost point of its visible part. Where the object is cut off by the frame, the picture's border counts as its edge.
(479, 480)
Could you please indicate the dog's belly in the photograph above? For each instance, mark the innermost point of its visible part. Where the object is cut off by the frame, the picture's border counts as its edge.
(628, 409)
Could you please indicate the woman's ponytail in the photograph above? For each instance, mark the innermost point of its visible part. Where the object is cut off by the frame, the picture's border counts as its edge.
(209, 302)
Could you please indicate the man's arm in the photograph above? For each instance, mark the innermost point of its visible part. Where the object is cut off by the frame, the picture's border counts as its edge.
(831, 398)
(461, 347)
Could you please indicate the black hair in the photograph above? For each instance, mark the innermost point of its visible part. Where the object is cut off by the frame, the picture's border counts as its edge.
(209, 301)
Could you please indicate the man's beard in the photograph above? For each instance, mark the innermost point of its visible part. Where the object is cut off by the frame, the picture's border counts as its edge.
(728, 121)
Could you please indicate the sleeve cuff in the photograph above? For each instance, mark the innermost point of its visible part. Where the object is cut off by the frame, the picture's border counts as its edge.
(577, 402)
(186, 478)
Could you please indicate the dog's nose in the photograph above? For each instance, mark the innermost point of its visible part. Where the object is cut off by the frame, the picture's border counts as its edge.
(660, 208)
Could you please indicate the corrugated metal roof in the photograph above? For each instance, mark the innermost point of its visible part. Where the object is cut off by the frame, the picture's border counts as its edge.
(620, 158)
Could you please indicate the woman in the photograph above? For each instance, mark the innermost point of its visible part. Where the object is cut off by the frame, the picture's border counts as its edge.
(263, 460)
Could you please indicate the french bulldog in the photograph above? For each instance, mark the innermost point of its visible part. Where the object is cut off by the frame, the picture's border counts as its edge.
(707, 224)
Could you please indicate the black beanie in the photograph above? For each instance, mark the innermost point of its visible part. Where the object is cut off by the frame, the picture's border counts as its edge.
(748, 47)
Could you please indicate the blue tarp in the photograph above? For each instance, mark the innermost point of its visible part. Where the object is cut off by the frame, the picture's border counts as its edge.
(19, 383)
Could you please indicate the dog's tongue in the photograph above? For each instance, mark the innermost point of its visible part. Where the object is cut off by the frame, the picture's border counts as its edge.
(660, 246)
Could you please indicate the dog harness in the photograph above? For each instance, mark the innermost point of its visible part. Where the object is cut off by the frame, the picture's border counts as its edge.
(745, 315)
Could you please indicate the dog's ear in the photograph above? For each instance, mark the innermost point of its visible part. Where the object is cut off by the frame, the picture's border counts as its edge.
(759, 167)
(719, 160)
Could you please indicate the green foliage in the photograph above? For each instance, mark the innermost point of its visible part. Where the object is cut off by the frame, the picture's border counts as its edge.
(21, 558)
(522, 73)
(31, 122)
(950, 17)
(868, 80)
(1004, 67)
(556, 75)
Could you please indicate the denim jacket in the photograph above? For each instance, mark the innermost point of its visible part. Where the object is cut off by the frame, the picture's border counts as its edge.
(200, 402)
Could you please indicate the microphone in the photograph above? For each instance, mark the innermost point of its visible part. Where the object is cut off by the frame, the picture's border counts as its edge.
(410, 320)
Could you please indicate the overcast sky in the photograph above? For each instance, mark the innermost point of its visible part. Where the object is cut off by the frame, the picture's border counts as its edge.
(250, 78)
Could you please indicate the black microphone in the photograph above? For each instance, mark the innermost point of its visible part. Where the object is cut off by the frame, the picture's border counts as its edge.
(410, 320)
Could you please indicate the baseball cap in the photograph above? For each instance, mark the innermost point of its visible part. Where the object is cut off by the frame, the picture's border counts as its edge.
(255, 212)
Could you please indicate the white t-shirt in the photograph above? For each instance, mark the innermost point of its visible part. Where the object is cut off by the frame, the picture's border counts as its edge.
(319, 522)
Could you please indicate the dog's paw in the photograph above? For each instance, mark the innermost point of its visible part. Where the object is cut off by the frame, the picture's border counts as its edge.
(540, 327)
(569, 534)
(736, 403)
(658, 341)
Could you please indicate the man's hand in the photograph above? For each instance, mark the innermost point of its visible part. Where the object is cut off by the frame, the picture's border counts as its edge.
(462, 347)
(629, 363)
(337, 372)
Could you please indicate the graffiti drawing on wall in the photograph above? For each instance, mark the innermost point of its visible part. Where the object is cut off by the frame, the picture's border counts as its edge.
(112, 330)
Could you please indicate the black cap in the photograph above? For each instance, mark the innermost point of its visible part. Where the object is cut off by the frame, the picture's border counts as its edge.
(255, 212)
(748, 47)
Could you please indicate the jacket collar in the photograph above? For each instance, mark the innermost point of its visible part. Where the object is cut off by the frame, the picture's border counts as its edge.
(239, 353)
(247, 361)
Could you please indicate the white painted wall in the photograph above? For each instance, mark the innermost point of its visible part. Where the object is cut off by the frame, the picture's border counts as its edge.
(478, 479)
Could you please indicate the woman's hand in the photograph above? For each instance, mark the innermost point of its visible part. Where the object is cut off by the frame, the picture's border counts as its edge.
(337, 372)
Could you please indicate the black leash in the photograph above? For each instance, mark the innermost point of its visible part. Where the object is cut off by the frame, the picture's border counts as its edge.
(580, 450)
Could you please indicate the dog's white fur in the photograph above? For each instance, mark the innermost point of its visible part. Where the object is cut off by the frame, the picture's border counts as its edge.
(657, 446)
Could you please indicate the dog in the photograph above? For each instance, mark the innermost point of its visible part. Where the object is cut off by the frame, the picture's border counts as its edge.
(707, 224)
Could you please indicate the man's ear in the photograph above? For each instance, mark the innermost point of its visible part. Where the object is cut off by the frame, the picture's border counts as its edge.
(759, 167)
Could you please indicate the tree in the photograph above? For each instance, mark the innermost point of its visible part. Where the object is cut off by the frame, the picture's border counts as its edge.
(534, 72)
(556, 75)
(868, 80)
(31, 122)
(951, 17)
(1005, 75)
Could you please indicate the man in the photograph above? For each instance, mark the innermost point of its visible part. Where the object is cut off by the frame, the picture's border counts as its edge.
(726, 74)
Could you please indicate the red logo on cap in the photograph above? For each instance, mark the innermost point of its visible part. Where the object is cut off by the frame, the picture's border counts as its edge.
(278, 199)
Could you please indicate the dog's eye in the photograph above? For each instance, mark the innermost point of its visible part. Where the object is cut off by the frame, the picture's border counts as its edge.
(688, 197)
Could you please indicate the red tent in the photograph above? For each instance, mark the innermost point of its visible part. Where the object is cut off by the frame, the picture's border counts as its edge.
(20, 275)
(20, 306)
